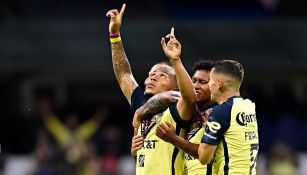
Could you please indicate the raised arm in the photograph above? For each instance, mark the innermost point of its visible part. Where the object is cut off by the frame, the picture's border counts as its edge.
(155, 105)
(186, 105)
(120, 61)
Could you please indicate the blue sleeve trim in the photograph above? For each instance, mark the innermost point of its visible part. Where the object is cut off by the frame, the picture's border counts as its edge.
(137, 98)
(209, 141)
(185, 124)
(221, 114)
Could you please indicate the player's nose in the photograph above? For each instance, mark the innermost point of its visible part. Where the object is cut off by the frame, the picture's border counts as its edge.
(196, 85)
(153, 78)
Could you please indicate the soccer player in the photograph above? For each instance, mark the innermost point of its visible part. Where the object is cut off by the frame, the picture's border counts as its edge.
(155, 156)
(231, 131)
(167, 133)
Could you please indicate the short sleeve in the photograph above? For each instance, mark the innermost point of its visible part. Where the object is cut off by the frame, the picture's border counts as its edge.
(218, 123)
(137, 99)
(185, 124)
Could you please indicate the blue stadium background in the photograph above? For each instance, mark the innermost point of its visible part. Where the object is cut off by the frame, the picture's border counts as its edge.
(59, 49)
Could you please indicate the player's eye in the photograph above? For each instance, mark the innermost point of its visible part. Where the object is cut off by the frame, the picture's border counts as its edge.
(163, 75)
(194, 80)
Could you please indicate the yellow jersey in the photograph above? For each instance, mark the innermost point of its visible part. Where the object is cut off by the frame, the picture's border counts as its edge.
(233, 127)
(194, 135)
(156, 156)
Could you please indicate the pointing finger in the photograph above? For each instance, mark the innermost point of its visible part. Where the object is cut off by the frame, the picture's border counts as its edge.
(122, 10)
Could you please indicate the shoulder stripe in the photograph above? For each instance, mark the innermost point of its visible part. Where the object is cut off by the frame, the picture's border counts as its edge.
(226, 167)
(175, 151)
(185, 124)
(209, 169)
(137, 99)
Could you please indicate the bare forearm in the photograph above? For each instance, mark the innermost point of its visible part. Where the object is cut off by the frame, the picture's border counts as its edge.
(120, 61)
(154, 105)
(184, 82)
(122, 70)
(206, 153)
(186, 146)
(187, 104)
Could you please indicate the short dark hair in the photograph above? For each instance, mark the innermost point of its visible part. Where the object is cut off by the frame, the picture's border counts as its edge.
(202, 64)
(230, 67)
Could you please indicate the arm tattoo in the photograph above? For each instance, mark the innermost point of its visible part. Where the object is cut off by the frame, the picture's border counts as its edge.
(156, 104)
(120, 62)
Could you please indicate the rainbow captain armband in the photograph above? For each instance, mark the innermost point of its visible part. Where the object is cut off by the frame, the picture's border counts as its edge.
(114, 38)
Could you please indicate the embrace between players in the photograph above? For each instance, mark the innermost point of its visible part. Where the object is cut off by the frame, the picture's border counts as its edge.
(197, 126)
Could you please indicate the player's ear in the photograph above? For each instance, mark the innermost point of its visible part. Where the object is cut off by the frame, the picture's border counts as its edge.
(220, 83)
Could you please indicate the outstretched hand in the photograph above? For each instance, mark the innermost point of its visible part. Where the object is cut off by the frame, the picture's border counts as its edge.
(173, 48)
(115, 19)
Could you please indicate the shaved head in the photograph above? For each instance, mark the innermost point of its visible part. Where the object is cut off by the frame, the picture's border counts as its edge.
(225, 76)
(230, 68)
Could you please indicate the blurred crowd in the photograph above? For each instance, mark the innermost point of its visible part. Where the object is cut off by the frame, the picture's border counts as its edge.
(69, 144)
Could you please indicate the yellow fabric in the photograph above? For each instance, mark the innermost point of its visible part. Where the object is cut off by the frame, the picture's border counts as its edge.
(192, 164)
(157, 154)
(242, 141)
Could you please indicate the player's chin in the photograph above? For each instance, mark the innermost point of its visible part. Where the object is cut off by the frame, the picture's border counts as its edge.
(203, 98)
(198, 97)
(149, 92)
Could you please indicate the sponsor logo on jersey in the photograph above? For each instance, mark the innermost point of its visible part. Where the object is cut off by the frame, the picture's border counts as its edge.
(149, 144)
(213, 126)
(243, 119)
(210, 136)
(251, 135)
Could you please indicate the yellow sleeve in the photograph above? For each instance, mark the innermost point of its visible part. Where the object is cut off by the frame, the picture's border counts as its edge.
(58, 130)
(87, 129)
